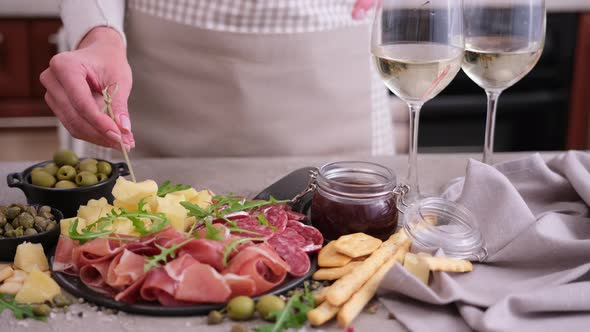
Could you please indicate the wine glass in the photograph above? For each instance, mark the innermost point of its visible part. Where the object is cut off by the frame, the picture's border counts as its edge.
(503, 42)
(418, 48)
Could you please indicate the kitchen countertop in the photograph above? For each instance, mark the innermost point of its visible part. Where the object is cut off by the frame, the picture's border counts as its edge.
(246, 176)
(50, 8)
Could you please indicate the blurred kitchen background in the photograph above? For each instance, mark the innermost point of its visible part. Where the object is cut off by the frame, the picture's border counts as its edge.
(548, 110)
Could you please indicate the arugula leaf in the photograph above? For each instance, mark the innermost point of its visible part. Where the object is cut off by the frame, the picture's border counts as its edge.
(20, 311)
(162, 257)
(87, 234)
(234, 244)
(165, 188)
(243, 205)
(211, 232)
(264, 222)
(293, 315)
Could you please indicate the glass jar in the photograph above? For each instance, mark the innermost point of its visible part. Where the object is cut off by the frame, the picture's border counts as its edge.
(355, 196)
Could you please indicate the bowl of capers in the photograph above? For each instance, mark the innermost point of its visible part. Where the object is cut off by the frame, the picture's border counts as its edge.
(27, 223)
(66, 181)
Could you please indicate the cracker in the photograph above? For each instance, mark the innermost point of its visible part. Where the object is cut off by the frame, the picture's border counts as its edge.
(329, 257)
(357, 302)
(447, 264)
(357, 244)
(342, 289)
(321, 314)
(333, 273)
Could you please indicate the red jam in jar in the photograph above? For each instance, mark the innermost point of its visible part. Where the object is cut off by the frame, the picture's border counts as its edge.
(353, 197)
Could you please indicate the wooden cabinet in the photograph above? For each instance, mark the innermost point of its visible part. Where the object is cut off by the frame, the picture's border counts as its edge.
(26, 46)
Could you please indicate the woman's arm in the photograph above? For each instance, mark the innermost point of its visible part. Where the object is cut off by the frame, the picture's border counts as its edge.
(81, 16)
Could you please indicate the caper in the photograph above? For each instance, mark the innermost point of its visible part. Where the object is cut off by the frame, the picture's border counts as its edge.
(26, 220)
(42, 179)
(86, 179)
(12, 212)
(267, 304)
(31, 210)
(65, 184)
(41, 224)
(88, 165)
(44, 208)
(15, 222)
(61, 301)
(101, 177)
(8, 227)
(51, 168)
(65, 157)
(3, 208)
(66, 172)
(46, 215)
(10, 233)
(41, 309)
(214, 317)
(19, 231)
(30, 231)
(50, 226)
(238, 328)
(2, 219)
(104, 168)
(1, 231)
(240, 308)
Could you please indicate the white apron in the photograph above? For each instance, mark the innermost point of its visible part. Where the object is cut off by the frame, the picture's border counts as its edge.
(211, 82)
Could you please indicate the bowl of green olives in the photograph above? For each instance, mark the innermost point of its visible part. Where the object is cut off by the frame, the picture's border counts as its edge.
(27, 223)
(66, 182)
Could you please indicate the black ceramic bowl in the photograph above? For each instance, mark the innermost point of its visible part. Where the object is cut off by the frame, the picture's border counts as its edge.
(66, 200)
(47, 239)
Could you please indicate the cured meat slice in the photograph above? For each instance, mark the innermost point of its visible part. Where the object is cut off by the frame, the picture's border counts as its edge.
(156, 284)
(164, 238)
(223, 231)
(314, 238)
(292, 215)
(277, 218)
(131, 294)
(297, 259)
(63, 260)
(94, 276)
(175, 268)
(261, 263)
(96, 251)
(201, 283)
(240, 285)
(251, 226)
(125, 269)
(205, 251)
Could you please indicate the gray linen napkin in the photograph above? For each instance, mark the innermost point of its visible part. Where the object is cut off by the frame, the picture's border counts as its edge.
(534, 216)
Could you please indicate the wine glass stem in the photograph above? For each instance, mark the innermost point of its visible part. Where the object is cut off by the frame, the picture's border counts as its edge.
(488, 148)
(414, 109)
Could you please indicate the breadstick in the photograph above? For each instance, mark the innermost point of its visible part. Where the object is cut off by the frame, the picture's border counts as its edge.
(333, 273)
(321, 314)
(320, 296)
(448, 264)
(357, 302)
(344, 287)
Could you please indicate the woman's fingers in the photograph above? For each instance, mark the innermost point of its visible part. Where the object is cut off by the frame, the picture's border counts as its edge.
(72, 76)
(361, 7)
(77, 125)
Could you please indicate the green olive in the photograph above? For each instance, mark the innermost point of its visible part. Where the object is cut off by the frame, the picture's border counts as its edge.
(65, 157)
(267, 304)
(37, 169)
(66, 172)
(30, 231)
(65, 185)
(51, 168)
(12, 212)
(104, 168)
(240, 308)
(101, 177)
(41, 310)
(42, 179)
(86, 179)
(214, 317)
(88, 165)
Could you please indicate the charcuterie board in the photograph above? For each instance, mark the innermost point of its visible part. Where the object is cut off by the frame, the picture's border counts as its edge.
(284, 188)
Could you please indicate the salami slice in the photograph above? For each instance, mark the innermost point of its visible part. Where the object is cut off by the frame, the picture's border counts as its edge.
(252, 229)
(292, 215)
(295, 257)
(314, 239)
(277, 218)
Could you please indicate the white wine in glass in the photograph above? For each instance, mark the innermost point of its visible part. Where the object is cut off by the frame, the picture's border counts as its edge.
(503, 41)
(418, 49)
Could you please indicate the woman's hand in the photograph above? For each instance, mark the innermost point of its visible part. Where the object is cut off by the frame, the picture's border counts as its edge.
(74, 83)
(361, 7)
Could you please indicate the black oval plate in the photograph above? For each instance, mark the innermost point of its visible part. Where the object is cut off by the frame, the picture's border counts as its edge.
(284, 188)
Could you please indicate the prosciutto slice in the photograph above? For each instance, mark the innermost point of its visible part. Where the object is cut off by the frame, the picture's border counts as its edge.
(201, 283)
(205, 251)
(125, 269)
(261, 263)
(63, 260)
(95, 275)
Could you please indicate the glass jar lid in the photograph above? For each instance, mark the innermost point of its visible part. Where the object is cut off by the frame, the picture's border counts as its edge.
(434, 222)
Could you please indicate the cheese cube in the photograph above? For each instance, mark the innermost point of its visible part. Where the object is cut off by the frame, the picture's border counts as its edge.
(64, 225)
(10, 288)
(38, 288)
(30, 257)
(176, 213)
(127, 194)
(6, 271)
